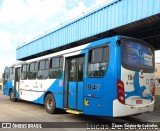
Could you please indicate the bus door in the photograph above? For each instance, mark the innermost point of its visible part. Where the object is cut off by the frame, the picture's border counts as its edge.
(75, 83)
(16, 82)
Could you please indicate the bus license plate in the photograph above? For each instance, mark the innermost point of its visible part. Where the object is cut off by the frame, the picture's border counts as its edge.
(139, 102)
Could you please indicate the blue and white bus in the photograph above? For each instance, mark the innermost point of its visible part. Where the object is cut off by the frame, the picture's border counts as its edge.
(109, 77)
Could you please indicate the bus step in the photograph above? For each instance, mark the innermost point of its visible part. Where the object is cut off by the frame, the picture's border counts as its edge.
(73, 111)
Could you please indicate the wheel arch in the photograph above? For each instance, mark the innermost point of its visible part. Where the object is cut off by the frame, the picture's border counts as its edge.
(10, 90)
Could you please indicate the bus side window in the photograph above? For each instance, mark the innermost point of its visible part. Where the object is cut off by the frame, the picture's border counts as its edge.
(32, 73)
(56, 68)
(24, 72)
(43, 66)
(98, 61)
(11, 76)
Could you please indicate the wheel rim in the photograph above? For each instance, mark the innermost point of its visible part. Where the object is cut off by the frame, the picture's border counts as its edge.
(49, 104)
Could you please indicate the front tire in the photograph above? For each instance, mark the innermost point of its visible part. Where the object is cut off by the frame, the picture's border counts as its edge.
(11, 94)
(50, 104)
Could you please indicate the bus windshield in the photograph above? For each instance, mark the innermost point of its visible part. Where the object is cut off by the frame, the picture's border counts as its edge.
(137, 56)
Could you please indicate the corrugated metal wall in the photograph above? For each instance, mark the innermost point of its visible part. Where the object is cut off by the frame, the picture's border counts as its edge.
(118, 13)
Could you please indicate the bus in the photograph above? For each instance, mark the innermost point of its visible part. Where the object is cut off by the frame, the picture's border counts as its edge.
(109, 77)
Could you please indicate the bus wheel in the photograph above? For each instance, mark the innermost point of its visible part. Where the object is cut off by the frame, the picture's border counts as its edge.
(11, 94)
(50, 104)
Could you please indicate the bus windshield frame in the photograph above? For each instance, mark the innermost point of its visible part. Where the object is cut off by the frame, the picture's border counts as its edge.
(137, 55)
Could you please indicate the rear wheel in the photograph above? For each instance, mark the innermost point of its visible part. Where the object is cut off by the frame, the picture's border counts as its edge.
(11, 94)
(50, 104)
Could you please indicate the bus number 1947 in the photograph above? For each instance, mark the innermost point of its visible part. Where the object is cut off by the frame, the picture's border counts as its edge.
(95, 87)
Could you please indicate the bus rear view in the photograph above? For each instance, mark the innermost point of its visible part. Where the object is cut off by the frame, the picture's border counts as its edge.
(135, 88)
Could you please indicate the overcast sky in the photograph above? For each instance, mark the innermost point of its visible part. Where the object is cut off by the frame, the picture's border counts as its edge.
(22, 20)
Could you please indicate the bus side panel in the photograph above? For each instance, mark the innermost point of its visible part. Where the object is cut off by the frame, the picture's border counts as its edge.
(57, 90)
(40, 98)
(100, 101)
(110, 79)
(93, 89)
(99, 93)
(6, 87)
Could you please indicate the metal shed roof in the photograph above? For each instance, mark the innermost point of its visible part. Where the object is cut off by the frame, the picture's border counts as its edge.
(136, 18)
